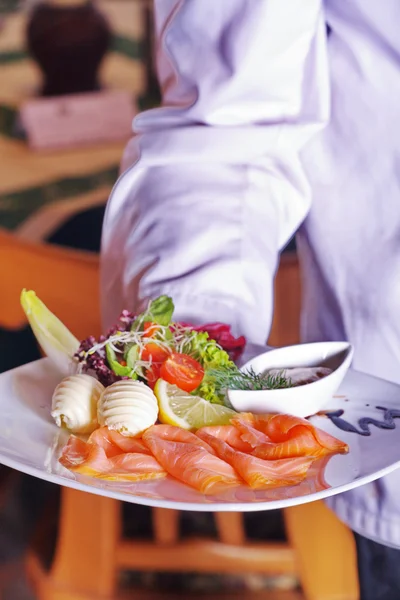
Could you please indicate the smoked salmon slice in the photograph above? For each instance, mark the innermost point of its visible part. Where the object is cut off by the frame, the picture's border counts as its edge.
(81, 457)
(259, 473)
(115, 443)
(190, 459)
(178, 434)
(89, 458)
(134, 467)
(264, 451)
(229, 434)
(278, 428)
(284, 436)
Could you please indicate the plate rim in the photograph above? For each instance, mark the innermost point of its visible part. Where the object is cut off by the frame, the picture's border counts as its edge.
(211, 506)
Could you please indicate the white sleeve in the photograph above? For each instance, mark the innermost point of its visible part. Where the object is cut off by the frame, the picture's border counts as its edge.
(212, 186)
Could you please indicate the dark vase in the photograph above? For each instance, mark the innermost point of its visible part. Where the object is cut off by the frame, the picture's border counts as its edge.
(68, 43)
(153, 93)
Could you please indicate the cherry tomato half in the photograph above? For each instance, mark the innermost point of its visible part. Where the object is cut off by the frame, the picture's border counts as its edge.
(154, 352)
(182, 371)
(157, 355)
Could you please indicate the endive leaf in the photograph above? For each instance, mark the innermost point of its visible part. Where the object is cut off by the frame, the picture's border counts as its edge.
(56, 341)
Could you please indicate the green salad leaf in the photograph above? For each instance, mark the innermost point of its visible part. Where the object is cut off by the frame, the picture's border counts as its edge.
(160, 311)
(132, 354)
(116, 367)
(213, 359)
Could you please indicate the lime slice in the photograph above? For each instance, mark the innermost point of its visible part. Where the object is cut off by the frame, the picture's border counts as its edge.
(181, 409)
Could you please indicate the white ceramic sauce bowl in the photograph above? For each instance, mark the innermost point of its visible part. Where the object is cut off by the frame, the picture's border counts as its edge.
(303, 400)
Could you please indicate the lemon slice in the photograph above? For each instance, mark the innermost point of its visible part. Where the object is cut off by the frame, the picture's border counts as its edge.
(181, 409)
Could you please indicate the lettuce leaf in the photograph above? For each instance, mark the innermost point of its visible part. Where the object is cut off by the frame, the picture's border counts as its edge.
(159, 311)
(212, 358)
(116, 367)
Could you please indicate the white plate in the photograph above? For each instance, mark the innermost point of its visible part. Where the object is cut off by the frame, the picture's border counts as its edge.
(30, 442)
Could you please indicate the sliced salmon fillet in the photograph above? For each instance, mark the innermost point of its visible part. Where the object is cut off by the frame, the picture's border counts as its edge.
(190, 459)
(279, 427)
(89, 458)
(178, 434)
(259, 473)
(80, 456)
(229, 434)
(284, 436)
(100, 437)
(133, 467)
(114, 443)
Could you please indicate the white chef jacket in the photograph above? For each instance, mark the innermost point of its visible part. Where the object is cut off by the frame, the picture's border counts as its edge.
(278, 116)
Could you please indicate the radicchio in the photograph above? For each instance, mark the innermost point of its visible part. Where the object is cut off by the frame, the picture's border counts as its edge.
(97, 361)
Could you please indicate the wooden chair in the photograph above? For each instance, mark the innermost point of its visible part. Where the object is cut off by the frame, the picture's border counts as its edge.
(90, 549)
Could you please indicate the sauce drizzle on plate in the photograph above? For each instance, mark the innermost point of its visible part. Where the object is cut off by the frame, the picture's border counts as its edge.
(388, 420)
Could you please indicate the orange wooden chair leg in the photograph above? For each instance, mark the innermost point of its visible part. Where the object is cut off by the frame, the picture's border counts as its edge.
(83, 566)
(230, 527)
(325, 551)
(165, 526)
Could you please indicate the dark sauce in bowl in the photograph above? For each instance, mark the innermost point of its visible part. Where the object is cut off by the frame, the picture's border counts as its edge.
(298, 376)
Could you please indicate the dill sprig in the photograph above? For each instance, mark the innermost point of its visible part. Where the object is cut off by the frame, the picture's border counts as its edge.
(233, 379)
